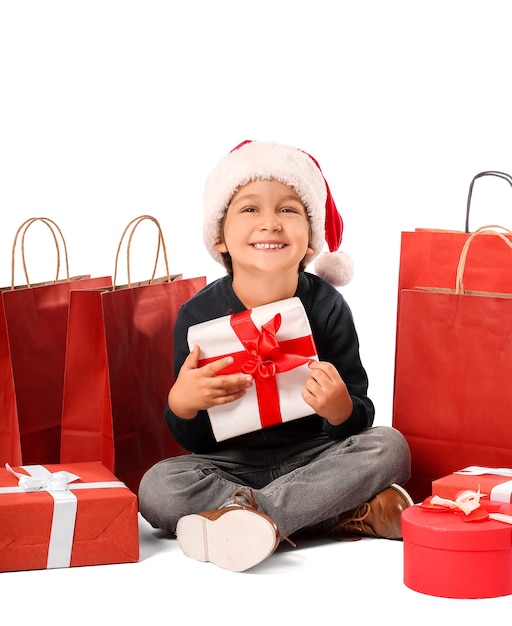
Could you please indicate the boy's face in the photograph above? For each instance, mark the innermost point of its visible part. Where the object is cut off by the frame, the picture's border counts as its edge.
(266, 228)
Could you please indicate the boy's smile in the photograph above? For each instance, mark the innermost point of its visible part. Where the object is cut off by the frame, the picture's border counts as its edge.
(268, 246)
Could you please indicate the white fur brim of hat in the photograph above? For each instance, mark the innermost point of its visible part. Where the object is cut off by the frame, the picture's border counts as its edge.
(264, 161)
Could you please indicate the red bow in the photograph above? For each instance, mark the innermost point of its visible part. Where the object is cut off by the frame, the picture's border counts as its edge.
(264, 357)
(468, 504)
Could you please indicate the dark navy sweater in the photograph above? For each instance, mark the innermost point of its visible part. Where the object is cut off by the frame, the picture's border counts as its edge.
(336, 341)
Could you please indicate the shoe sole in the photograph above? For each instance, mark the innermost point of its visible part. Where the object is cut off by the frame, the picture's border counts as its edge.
(404, 493)
(236, 541)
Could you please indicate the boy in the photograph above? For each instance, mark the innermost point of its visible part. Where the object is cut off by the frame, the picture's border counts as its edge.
(268, 211)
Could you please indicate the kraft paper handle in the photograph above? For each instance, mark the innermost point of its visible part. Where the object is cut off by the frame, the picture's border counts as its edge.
(483, 230)
(503, 175)
(24, 227)
(160, 246)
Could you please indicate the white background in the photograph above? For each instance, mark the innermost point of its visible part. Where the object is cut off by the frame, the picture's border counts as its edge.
(113, 109)
(110, 110)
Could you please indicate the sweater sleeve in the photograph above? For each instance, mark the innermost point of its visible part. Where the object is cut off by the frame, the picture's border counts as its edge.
(337, 342)
(214, 300)
(195, 434)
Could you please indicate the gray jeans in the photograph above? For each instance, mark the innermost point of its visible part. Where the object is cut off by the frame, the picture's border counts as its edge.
(299, 483)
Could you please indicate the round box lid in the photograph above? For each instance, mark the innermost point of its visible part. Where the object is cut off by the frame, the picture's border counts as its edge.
(448, 530)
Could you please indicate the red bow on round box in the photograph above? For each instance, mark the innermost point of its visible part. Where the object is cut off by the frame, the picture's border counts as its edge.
(467, 504)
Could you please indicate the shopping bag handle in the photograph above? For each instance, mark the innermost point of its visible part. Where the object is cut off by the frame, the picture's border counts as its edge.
(503, 175)
(483, 230)
(24, 227)
(161, 245)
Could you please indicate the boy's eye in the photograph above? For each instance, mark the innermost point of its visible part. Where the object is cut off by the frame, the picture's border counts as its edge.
(290, 209)
(285, 209)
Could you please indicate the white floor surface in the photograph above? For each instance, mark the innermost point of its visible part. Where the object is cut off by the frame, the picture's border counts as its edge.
(358, 582)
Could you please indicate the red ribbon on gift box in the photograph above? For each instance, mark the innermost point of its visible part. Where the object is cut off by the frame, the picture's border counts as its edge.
(264, 357)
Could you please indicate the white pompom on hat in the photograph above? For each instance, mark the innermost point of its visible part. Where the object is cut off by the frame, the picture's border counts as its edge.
(256, 160)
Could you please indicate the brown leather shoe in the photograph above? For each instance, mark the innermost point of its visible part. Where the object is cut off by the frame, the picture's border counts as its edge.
(235, 537)
(380, 517)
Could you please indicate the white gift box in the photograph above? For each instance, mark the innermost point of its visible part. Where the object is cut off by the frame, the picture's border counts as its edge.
(275, 345)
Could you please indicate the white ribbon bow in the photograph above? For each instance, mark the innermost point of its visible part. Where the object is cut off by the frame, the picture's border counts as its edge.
(466, 502)
(58, 481)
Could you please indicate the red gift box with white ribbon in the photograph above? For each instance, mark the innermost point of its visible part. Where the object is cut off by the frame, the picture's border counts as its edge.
(494, 483)
(274, 344)
(67, 515)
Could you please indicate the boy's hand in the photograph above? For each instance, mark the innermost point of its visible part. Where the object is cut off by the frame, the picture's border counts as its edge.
(327, 394)
(198, 388)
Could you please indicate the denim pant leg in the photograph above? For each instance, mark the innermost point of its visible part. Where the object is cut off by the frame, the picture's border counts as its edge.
(341, 477)
(182, 485)
(297, 484)
(192, 483)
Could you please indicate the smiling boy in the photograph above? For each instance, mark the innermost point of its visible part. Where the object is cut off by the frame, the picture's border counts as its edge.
(268, 213)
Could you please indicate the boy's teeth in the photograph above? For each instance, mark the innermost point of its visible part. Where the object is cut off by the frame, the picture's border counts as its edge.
(268, 246)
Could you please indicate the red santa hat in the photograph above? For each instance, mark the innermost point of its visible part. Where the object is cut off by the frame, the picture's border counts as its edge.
(256, 160)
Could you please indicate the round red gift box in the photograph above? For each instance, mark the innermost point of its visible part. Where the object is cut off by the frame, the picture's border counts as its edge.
(448, 557)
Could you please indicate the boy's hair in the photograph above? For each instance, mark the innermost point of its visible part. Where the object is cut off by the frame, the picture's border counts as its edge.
(255, 160)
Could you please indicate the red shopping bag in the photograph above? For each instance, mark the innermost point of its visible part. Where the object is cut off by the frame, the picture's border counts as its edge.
(10, 443)
(33, 326)
(453, 369)
(119, 369)
(429, 257)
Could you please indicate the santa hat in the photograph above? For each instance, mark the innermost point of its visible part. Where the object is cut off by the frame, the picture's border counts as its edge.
(256, 160)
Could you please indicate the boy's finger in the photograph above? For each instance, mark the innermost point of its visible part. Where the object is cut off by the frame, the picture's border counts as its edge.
(233, 383)
(219, 364)
(192, 359)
